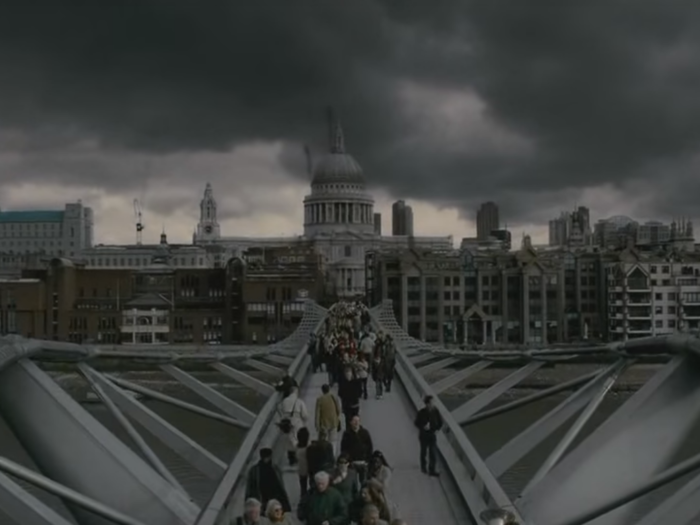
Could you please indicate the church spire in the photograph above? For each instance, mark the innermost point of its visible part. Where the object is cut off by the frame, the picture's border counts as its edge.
(335, 133)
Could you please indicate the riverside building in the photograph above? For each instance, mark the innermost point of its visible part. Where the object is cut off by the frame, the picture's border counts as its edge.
(255, 298)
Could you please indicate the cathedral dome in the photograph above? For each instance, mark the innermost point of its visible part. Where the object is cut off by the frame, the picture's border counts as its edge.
(337, 166)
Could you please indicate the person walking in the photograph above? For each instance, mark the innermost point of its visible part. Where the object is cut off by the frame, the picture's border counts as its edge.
(292, 415)
(264, 481)
(319, 455)
(357, 445)
(312, 348)
(350, 392)
(328, 414)
(429, 422)
(389, 362)
(378, 371)
(362, 369)
(324, 505)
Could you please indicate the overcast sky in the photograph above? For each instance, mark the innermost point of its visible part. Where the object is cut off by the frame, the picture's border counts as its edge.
(537, 105)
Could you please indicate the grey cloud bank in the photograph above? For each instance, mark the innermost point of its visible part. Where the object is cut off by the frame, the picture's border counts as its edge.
(603, 93)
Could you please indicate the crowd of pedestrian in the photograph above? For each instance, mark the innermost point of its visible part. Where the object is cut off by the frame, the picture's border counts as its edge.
(345, 483)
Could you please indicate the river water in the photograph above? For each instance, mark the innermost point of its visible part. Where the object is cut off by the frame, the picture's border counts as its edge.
(223, 440)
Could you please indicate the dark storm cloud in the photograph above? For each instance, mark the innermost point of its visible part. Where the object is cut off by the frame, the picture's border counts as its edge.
(605, 91)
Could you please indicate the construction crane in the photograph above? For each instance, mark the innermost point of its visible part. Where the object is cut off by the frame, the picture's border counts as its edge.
(139, 223)
(309, 161)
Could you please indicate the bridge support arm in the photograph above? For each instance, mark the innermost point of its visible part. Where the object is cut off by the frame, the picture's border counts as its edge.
(78, 451)
(612, 460)
(22, 507)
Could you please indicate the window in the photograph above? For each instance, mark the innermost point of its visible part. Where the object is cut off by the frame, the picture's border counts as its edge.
(652, 269)
(348, 251)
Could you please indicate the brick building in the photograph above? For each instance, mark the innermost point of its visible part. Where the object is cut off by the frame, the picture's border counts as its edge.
(256, 298)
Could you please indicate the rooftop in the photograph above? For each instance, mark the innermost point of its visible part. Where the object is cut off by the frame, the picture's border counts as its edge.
(31, 216)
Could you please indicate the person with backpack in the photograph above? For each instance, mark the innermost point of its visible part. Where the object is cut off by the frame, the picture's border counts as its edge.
(292, 415)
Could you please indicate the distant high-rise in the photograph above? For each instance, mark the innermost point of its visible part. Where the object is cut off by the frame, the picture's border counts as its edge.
(571, 228)
(378, 223)
(487, 220)
(401, 219)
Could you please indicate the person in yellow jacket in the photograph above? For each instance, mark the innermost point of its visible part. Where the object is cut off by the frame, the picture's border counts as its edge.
(328, 415)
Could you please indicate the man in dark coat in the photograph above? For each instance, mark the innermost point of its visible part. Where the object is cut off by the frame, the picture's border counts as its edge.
(265, 482)
(323, 505)
(428, 422)
(357, 445)
(389, 362)
(319, 454)
(350, 392)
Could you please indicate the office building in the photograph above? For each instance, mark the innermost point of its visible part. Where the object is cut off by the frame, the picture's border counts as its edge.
(571, 229)
(378, 224)
(401, 219)
(492, 297)
(487, 220)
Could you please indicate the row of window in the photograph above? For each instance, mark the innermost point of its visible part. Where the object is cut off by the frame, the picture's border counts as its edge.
(285, 293)
(128, 262)
(295, 306)
(686, 297)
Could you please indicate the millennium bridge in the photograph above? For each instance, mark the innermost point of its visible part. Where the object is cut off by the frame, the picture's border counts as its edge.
(601, 476)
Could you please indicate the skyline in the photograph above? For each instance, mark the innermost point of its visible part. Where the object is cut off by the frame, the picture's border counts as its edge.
(443, 107)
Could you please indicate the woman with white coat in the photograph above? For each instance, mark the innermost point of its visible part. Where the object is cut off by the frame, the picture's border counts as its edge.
(292, 415)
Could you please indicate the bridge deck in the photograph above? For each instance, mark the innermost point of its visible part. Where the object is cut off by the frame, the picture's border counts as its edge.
(415, 497)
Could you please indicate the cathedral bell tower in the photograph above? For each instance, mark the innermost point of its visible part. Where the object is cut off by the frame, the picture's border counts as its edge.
(208, 226)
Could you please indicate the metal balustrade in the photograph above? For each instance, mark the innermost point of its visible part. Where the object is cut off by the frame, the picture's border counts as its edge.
(599, 479)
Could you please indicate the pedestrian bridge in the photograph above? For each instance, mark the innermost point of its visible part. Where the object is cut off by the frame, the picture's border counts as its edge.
(603, 475)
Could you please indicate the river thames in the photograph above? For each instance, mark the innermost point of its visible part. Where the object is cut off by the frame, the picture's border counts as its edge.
(223, 440)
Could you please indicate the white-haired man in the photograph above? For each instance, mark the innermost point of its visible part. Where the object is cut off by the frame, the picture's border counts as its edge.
(324, 504)
(370, 516)
(252, 514)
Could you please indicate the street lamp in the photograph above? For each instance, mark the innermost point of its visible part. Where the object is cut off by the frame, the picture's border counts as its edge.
(498, 517)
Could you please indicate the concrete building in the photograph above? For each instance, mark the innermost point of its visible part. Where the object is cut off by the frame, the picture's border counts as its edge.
(492, 296)
(161, 303)
(487, 220)
(652, 293)
(55, 233)
(401, 219)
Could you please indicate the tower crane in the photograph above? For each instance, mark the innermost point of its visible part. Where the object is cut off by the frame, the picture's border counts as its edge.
(139, 223)
(309, 161)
